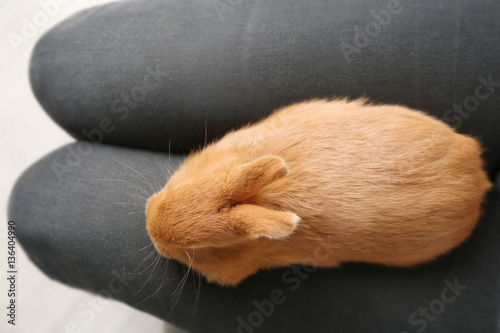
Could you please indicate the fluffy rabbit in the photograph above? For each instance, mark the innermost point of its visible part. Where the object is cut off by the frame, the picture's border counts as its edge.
(321, 182)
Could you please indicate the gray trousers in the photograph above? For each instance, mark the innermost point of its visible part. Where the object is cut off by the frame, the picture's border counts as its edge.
(137, 78)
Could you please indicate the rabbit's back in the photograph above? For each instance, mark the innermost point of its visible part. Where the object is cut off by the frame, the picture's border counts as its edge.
(379, 179)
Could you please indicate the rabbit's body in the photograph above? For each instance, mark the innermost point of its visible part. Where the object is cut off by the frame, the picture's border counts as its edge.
(369, 183)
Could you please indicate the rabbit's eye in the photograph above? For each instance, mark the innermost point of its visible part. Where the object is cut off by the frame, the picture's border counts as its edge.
(225, 207)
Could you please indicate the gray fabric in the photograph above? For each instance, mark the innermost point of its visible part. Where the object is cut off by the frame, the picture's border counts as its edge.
(224, 63)
(86, 228)
(220, 64)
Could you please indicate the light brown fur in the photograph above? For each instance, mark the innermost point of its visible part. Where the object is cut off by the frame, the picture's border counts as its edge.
(365, 183)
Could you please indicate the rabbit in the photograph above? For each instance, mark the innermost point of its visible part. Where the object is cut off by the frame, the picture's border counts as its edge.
(321, 182)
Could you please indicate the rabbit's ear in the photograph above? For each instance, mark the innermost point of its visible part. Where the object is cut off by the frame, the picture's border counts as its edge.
(256, 221)
(246, 180)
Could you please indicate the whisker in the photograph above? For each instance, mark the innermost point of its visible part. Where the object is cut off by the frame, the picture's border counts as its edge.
(176, 297)
(197, 299)
(158, 186)
(152, 252)
(129, 183)
(137, 172)
(127, 203)
(145, 247)
(143, 199)
(139, 212)
(159, 161)
(198, 292)
(168, 172)
(156, 261)
(169, 165)
(163, 280)
(162, 283)
(206, 130)
(180, 287)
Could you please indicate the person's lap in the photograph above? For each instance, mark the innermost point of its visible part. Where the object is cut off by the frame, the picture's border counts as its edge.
(86, 228)
(164, 72)
(80, 210)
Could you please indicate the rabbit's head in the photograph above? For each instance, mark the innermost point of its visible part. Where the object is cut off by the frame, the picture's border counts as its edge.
(211, 221)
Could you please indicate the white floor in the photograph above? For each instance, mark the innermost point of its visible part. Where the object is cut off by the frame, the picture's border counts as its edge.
(26, 134)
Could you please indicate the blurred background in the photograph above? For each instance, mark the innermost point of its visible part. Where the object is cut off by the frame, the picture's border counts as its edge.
(27, 134)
